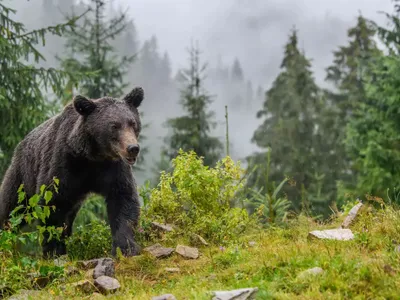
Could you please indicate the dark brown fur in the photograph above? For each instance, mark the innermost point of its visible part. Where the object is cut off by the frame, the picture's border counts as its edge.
(86, 147)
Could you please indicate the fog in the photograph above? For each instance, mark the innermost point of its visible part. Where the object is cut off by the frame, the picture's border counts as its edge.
(252, 31)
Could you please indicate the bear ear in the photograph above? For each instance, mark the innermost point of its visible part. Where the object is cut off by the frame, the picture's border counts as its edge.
(83, 105)
(135, 97)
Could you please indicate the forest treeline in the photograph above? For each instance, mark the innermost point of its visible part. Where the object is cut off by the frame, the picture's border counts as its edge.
(328, 144)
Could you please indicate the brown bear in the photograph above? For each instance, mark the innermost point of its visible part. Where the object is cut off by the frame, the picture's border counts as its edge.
(90, 147)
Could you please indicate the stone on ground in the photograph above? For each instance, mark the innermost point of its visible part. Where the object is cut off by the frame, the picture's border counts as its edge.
(187, 252)
(351, 216)
(105, 267)
(163, 227)
(240, 294)
(164, 297)
(172, 270)
(311, 272)
(87, 264)
(159, 251)
(107, 284)
(333, 234)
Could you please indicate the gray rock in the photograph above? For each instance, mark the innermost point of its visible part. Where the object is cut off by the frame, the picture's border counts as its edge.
(351, 216)
(397, 249)
(310, 272)
(164, 297)
(159, 251)
(187, 252)
(333, 234)
(199, 239)
(105, 267)
(252, 243)
(107, 284)
(87, 264)
(240, 294)
(172, 270)
(163, 227)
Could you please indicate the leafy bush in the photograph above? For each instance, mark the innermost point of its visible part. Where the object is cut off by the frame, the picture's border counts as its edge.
(90, 241)
(196, 199)
(14, 266)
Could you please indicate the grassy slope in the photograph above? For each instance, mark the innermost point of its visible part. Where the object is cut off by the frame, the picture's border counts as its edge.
(353, 269)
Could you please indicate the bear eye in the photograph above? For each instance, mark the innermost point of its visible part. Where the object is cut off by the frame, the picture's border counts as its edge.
(131, 123)
(115, 126)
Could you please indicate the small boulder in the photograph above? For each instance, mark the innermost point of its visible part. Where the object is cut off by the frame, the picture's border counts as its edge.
(87, 264)
(187, 252)
(172, 270)
(310, 272)
(162, 227)
(332, 234)
(164, 297)
(107, 284)
(159, 251)
(351, 216)
(252, 243)
(240, 294)
(198, 239)
(105, 267)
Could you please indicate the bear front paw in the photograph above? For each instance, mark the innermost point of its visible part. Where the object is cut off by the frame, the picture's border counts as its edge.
(130, 248)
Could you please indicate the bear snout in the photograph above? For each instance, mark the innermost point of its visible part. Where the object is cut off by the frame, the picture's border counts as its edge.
(133, 149)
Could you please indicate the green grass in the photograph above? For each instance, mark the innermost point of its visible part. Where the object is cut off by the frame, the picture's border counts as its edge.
(353, 269)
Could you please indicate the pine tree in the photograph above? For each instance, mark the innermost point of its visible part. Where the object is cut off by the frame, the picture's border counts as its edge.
(237, 71)
(91, 50)
(192, 131)
(289, 111)
(348, 74)
(23, 104)
(349, 66)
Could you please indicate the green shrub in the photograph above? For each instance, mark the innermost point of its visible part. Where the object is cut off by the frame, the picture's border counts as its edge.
(196, 199)
(32, 212)
(90, 241)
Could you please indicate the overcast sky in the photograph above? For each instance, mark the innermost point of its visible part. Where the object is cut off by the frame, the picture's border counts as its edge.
(253, 30)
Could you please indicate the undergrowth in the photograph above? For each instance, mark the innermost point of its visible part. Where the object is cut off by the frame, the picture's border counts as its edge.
(196, 199)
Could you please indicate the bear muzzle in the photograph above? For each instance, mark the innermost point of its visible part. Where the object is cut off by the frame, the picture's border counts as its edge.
(133, 152)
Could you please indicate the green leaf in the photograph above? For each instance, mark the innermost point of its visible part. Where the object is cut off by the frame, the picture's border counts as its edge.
(48, 195)
(34, 200)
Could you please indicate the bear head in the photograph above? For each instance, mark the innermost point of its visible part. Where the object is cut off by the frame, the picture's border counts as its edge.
(109, 128)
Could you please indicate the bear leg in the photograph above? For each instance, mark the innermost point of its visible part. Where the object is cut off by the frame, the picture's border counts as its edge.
(123, 213)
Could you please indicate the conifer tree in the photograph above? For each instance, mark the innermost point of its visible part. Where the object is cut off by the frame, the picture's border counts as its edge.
(192, 131)
(23, 104)
(348, 74)
(289, 119)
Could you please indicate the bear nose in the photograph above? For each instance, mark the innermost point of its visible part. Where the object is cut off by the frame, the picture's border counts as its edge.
(133, 149)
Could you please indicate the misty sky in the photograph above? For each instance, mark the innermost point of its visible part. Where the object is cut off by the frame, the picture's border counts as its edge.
(253, 30)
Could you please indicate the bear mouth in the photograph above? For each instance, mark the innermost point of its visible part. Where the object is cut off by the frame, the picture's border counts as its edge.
(130, 160)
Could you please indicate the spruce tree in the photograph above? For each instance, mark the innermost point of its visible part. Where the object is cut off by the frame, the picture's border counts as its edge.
(192, 131)
(349, 67)
(90, 48)
(289, 119)
(348, 75)
(23, 103)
